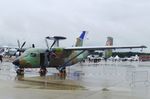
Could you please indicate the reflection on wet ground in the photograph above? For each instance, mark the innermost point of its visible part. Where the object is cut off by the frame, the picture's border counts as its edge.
(114, 80)
(85, 76)
(53, 82)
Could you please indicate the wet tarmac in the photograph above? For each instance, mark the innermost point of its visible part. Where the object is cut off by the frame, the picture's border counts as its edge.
(104, 80)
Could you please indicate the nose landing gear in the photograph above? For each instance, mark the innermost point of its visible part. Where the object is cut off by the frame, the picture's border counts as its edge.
(20, 71)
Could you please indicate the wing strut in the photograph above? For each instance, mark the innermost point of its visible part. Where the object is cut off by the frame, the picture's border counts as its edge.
(62, 67)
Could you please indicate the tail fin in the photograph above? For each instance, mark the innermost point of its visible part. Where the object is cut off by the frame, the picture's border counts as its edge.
(109, 42)
(80, 39)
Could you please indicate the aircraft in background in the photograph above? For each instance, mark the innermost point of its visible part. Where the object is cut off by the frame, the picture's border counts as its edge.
(59, 57)
(108, 52)
(8, 51)
(12, 50)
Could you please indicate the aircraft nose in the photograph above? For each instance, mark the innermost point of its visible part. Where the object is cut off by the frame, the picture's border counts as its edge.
(16, 62)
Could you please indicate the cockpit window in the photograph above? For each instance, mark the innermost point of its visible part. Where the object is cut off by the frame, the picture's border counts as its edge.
(33, 54)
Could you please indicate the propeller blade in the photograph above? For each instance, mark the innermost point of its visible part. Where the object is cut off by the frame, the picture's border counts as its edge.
(47, 44)
(23, 45)
(53, 44)
(18, 44)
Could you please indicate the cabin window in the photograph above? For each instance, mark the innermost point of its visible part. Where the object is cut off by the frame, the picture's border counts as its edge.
(33, 54)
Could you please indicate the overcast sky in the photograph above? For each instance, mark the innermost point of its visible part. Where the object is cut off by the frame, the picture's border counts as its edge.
(127, 21)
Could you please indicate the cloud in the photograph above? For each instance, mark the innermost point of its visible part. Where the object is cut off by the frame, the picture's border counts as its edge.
(32, 20)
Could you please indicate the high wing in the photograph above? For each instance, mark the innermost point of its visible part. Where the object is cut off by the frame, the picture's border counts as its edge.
(104, 47)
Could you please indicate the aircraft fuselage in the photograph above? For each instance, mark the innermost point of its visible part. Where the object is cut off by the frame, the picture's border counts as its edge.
(35, 58)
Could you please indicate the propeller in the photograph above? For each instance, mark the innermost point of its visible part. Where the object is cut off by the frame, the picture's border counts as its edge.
(20, 47)
(50, 52)
(50, 38)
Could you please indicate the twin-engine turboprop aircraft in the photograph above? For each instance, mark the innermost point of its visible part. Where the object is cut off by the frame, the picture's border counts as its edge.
(59, 57)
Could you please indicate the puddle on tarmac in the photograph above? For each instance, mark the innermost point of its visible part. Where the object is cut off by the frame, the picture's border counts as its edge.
(53, 82)
(84, 76)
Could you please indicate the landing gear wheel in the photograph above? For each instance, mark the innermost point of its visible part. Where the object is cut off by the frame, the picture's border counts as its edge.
(43, 71)
(20, 71)
(63, 73)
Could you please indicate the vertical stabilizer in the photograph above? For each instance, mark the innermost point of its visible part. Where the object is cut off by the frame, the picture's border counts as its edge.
(80, 39)
(75, 55)
(109, 42)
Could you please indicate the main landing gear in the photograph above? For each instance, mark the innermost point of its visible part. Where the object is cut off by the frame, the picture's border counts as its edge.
(62, 73)
(43, 71)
